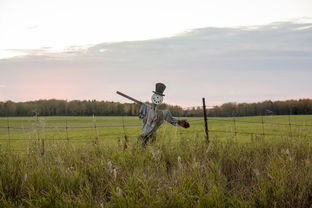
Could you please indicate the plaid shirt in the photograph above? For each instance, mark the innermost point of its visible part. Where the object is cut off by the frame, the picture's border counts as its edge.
(153, 118)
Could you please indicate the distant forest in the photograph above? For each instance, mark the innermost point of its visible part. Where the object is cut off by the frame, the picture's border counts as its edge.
(55, 107)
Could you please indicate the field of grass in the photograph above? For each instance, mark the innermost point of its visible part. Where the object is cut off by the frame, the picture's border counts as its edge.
(25, 132)
(250, 162)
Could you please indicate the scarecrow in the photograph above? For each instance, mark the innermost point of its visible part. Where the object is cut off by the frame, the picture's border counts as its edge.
(153, 117)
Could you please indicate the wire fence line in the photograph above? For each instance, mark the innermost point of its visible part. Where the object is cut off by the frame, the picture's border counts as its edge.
(139, 125)
(71, 127)
(95, 125)
(41, 127)
(255, 122)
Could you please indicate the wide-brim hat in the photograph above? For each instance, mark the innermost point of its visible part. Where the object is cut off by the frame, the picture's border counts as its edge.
(160, 88)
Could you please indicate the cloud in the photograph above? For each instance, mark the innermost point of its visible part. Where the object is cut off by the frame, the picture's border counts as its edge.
(224, 64)
(32, 27)
(283, 39)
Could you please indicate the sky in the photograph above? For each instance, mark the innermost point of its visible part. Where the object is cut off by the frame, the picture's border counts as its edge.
(226, 51)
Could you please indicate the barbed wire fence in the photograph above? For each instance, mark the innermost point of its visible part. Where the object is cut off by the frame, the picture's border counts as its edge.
(37, 129)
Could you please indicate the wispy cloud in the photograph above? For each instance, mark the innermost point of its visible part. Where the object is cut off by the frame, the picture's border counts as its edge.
(32, 27)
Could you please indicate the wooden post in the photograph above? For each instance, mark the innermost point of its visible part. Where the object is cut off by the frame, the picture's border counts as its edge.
(42, 147)
(9, 137)
(235, 129)
(289, 123)
(37, 131)
(125, 134)
(206, 122)
(67, 131)
(95, 129)
(263, 134)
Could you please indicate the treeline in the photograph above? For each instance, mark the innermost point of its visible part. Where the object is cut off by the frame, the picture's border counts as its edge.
(288, 107)
(55, 107)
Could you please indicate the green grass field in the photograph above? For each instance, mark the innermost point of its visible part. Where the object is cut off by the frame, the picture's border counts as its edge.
(250, 162)
(26, 131)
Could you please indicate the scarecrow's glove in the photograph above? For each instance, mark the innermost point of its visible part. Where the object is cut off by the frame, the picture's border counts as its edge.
(183, 123)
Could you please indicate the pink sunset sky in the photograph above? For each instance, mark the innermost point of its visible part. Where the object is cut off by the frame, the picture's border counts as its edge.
(225, 51)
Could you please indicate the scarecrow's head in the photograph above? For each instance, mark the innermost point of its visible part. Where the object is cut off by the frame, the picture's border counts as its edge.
(157, 97)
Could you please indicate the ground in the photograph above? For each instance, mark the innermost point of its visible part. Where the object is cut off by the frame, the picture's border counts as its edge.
(248, 163)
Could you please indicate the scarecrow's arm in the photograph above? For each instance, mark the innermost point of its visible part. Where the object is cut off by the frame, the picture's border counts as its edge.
(172, 120)
(130, 98)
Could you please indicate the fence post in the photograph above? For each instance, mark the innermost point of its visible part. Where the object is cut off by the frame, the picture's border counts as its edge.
(126, 137)
(42, 147)
(234, 121)
(206, 122)
(38, 136)
(37, 126)
(9, 136)
(263, 134)
(66, 130)
(96, 132)
(290, 129)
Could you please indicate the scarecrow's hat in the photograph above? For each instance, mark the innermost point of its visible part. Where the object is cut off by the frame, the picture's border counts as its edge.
(160, 88)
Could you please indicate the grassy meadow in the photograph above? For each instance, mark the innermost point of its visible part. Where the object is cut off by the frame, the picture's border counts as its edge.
(24, 132)
(249, 162)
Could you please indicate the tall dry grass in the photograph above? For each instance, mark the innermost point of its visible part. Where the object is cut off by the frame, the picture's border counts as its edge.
(261, 173)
